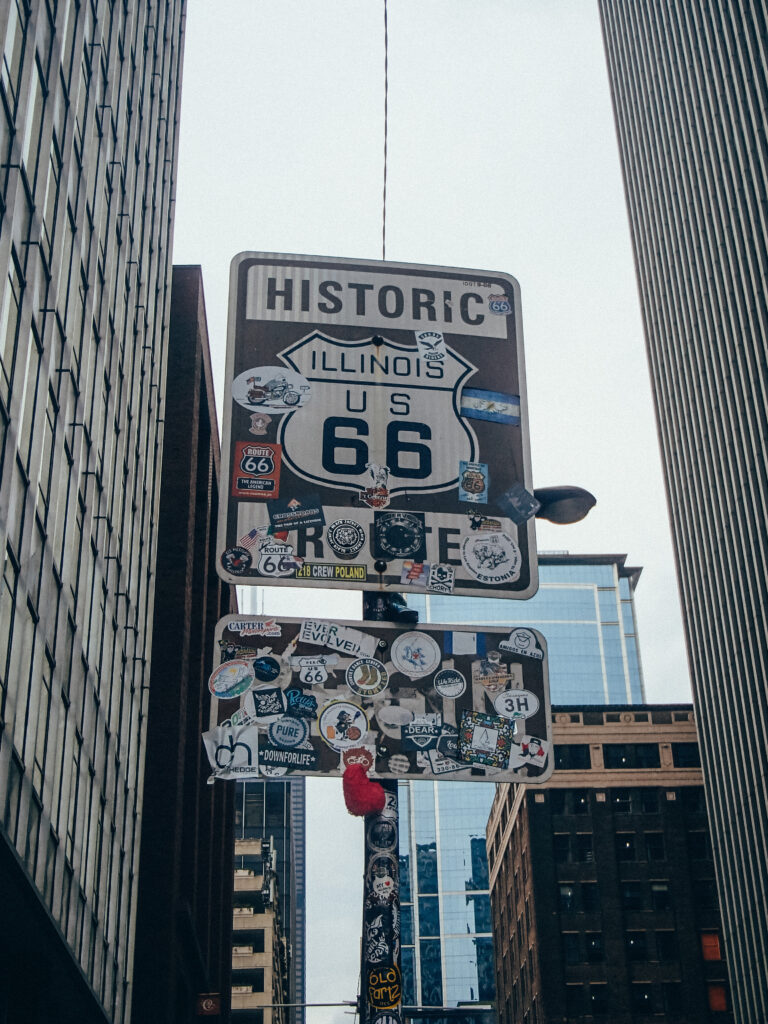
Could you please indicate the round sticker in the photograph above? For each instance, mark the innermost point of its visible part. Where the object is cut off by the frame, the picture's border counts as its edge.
(231, 679)
(266, 669)
(398, 534)
(450, 683)
(516, 704)
(415, 654)
(393, 716)
(288, 732)
(366, 677)
(492, 558)
(382, 834)
(358, 755)
(342, 724)
(399, 764)
(236, 561)
(270, 389)
(345, 538)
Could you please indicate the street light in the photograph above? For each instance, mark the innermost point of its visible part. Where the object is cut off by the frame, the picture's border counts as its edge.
(563, 505)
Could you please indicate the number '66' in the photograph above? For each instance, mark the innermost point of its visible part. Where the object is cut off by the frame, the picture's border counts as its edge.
(355, 449)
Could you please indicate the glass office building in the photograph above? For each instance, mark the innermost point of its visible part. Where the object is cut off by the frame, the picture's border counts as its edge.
(585, 610)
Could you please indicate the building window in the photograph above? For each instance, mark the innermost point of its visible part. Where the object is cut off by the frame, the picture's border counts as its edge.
(572, 756)
(654, 845)
(631, 755)
(590, 897)
(580, 801)
(557, 801)
(637, 946)
(699, 847)
(692, 799)
(660, 896)
(582, 849)
(666, 946)
(706, 894)
(593, 944)
(567, 898)
(621, 800)
(561, 847)
(717, 998)
(625, 846)
(633, 896)
(598, 999)
(642, 998)
(649, 800)
(673, 997)
(710, 946)
(571, 948)
(686, 755)
(574, 1000)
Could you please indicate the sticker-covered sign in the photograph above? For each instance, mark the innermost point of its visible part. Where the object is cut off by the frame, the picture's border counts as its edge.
(375, 414)
(318, 695)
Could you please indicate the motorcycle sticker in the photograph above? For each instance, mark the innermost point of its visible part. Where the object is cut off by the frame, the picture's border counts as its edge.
(271, 389)
(256, 473)
(236, 560)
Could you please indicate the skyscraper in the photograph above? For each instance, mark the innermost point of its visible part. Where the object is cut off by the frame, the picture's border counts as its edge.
(691, 103)
(89, 104)
(585, 610)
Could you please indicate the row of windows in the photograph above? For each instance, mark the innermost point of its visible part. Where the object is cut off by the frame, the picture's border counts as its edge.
(646, 999)
(639, 946)
(577, 756)
(578, 847)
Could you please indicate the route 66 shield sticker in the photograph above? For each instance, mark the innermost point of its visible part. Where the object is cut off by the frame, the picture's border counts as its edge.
(277, 559)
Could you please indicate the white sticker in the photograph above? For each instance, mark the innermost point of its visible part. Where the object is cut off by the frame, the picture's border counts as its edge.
(415, 654)
(464, 643)
(314, 670)
(492, 558)
(522, 641)
(516, 704)
(231, 679)
(233, 751)
(339, 638)
(277, 559)
(271, 389)
(342, 724)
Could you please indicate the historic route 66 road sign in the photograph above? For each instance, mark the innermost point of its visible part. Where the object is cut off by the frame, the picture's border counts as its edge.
(390, 402)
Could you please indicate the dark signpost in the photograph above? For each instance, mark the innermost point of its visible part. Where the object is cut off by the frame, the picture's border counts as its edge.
(375, 437)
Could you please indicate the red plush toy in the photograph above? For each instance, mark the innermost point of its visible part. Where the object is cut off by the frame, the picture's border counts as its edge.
(361, 794)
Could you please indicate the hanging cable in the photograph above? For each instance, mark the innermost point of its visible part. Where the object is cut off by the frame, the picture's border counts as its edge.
(386, 100)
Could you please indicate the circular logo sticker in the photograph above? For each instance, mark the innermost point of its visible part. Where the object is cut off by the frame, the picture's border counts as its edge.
(342, 724)
(449, 682)
(266, 669)
(270, 389)
(231, 679)
(358, 755)
(415, 654)
(236, 561)
(288, 732)
(516, 704)
(366, 677)
(399, 764)
(398, 534)
(345, 538)
(382, 834)
(492, 558)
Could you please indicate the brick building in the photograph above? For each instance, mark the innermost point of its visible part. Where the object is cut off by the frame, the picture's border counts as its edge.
(603, 896)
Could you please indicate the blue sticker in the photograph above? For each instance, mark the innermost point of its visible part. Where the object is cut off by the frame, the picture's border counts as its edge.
(473, 481)
(477, 404)
(288, 732)
(518, 504)
(301, 704)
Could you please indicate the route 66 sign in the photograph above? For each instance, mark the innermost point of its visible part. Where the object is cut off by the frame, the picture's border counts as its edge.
(395, 393)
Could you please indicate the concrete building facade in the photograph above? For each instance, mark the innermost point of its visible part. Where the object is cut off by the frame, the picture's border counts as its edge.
(89, 106)
(603, 890)
(690, 94)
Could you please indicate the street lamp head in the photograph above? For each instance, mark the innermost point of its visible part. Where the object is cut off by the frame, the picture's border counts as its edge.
(564, 504)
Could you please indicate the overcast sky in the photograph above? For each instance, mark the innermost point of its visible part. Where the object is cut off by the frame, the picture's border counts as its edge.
(502, 157)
